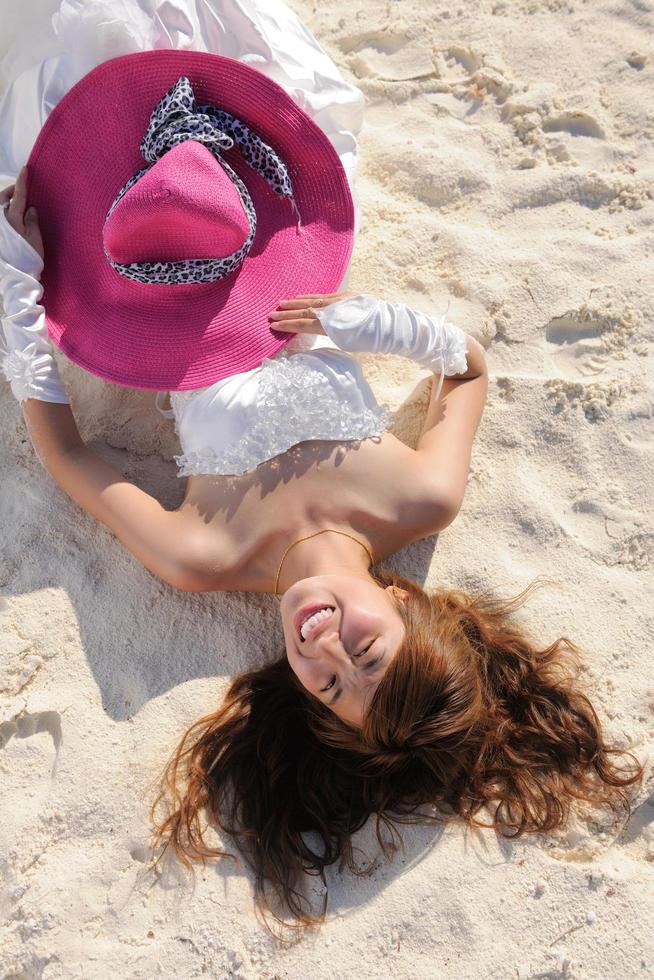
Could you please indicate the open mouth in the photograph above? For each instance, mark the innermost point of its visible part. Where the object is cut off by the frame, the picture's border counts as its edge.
(304, 614)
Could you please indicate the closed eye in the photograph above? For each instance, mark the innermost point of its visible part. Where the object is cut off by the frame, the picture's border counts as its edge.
(367, 667)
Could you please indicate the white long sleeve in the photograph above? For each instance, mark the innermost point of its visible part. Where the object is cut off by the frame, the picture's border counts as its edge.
(365, 324)
(26, 356)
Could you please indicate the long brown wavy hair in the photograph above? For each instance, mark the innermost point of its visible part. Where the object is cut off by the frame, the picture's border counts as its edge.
(469, 715)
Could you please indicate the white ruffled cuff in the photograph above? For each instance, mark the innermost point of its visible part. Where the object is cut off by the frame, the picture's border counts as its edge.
(26, 354)
(33, 375)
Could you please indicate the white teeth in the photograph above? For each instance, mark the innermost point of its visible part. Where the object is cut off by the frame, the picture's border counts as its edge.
(309, 623)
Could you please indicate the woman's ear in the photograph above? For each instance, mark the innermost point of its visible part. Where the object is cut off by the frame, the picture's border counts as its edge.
(397, 592)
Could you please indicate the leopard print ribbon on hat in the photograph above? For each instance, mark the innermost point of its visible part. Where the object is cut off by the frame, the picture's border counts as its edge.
(174, 119)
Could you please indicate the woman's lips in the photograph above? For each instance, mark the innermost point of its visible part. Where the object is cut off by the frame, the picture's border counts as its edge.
(305, 613)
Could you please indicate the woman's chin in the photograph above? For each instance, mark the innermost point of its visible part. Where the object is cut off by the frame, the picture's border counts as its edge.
(301, 588)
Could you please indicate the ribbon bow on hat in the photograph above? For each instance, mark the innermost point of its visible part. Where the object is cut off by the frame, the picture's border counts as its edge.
(170, 208)
(155, 200)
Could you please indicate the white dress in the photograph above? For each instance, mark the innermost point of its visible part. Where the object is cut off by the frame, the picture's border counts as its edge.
(310, 389)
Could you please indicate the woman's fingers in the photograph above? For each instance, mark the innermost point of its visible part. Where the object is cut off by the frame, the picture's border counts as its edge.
(316, 299)
(301, 303)
(300, 320)
(25, 222)
(296, 316)
(19, 198)
(6, 194)
(288, 314)
(33, 232)
(304, 325)
(292, 326)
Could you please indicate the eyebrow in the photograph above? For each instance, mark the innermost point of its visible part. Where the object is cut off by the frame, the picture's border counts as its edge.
(373, 663)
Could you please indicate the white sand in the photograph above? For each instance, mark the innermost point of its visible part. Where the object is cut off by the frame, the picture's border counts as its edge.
(506, 166)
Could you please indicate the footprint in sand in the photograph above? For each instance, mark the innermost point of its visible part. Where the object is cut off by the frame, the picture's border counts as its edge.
(574, 123)
(610, 533)
(467, 80)
(556, 133)
(575, 345)
(582, 342)
(389, 54)
(26, 725)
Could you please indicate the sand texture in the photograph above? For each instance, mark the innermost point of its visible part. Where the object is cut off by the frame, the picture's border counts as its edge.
(505, 169)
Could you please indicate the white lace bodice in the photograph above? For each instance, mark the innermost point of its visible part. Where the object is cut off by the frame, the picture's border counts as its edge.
(301, 393)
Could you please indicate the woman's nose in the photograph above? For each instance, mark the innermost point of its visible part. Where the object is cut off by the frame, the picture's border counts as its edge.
(327, 645)
(330, 647)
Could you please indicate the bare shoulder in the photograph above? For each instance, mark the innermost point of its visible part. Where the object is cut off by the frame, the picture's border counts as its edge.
(444, 449)
(384, 487)
(425, 507)
(398, 488)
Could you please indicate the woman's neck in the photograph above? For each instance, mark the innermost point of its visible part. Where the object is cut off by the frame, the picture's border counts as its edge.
(321, 554)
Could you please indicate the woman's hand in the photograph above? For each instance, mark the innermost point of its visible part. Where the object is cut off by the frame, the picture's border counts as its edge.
(25, 222)
(296, 315)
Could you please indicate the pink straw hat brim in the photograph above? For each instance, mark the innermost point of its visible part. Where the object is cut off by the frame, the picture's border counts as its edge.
(179, 336)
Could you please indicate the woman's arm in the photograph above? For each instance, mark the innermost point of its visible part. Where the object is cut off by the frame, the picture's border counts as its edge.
(163, 541)
(52, 429)
(444, 447)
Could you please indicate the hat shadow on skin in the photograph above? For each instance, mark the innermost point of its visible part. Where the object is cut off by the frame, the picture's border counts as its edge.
(408, 418)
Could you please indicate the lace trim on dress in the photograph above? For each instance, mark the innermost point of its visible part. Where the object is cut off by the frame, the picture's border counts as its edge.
(294, 403)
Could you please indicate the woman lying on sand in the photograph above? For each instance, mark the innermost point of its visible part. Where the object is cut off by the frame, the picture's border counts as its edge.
(387, 697)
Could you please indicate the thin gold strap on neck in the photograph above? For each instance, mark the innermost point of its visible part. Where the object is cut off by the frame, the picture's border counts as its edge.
(307, 536)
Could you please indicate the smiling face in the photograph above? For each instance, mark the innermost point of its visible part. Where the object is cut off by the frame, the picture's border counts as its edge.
(345, 655)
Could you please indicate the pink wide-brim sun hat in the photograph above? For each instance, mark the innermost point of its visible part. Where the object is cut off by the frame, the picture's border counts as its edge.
(180, 336)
